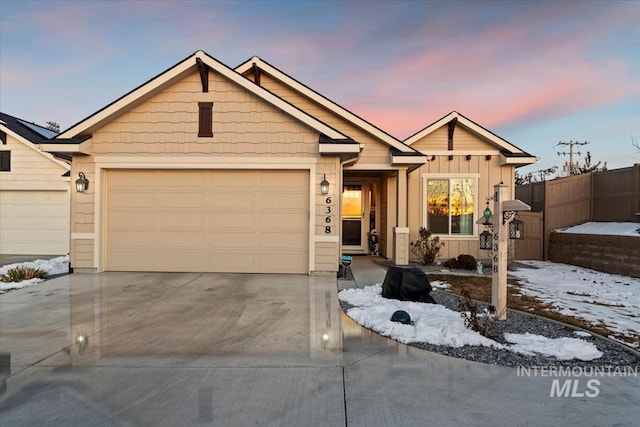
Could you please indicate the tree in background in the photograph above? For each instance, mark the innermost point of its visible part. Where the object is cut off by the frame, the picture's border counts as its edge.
(536, 176)
(588, 167)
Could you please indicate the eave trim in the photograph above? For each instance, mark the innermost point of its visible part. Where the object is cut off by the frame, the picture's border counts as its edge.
(83, 147)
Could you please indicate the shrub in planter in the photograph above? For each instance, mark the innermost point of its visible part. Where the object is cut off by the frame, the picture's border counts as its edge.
(467, 262)
(452, 263)
(464, 262)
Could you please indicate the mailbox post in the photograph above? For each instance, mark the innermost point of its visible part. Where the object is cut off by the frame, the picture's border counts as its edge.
(503, 211)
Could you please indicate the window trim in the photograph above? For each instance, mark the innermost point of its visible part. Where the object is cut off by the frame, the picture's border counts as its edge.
(425, 177)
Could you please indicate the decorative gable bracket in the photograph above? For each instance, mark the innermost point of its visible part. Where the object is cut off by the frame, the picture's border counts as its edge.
(203, 69)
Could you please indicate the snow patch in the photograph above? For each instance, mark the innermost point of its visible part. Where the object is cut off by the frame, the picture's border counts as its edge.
(436, 324)
(59, 265)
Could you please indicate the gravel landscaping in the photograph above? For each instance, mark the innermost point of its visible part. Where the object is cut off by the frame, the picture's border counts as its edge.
(613, 353)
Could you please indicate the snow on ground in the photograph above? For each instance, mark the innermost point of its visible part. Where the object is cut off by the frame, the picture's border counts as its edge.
(610, 228)
(593, 296)
(436, 324)
(433, 323)
(561, 348)
(59, 265)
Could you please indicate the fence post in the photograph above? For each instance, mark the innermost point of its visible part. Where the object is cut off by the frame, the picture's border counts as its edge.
(635, 193)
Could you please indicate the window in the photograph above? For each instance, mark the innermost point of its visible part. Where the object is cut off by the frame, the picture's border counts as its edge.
(5, 161)
(450, 205)
(205, 119)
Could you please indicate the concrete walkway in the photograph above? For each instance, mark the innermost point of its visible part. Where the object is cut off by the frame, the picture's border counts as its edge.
(235, 350)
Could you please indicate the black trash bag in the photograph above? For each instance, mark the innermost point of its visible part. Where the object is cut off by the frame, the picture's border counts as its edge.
(407, 284)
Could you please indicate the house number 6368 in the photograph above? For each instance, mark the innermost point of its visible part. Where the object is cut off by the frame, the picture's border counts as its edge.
(328, 218)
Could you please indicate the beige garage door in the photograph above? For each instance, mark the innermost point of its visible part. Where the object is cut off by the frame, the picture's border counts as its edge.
(34, 222)
(203, 220)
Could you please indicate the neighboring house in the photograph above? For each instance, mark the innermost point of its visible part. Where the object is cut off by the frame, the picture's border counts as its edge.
(206, 168)
(34, 192)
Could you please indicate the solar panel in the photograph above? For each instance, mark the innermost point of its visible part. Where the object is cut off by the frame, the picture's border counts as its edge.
(47, 133)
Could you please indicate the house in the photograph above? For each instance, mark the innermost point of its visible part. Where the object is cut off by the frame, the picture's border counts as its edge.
(34, 192)
(208, 168)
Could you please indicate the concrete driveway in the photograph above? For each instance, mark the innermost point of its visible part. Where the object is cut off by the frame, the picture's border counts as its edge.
(236, 350)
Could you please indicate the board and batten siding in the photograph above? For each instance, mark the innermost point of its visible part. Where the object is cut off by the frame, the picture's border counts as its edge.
(487, 170)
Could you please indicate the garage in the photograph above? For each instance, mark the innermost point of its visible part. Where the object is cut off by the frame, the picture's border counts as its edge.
(239, 221)
(34, 222)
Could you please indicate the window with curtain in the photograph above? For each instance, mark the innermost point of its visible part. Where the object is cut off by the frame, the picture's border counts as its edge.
(451, 206)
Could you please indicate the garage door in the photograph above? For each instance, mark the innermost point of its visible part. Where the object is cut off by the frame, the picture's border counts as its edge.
(204, 220)
(34, 222)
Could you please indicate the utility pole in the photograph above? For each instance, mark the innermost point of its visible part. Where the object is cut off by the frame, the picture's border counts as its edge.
(572, 167)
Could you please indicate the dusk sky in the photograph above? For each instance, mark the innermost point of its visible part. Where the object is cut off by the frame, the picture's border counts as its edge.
(533, 72)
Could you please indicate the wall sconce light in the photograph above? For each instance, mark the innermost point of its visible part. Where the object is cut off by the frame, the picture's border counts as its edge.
(516, 229)
(487, 157)
(82, 341)
(324, 185)
(450, 157)
(82, 183)
(468, 157)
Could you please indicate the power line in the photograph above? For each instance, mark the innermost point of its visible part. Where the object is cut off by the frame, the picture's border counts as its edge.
(572, 167)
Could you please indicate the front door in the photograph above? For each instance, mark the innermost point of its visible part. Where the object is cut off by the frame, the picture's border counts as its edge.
(359, 198)
(353, 217)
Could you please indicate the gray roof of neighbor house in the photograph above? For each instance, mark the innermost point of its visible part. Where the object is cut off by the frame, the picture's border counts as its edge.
(30, 131)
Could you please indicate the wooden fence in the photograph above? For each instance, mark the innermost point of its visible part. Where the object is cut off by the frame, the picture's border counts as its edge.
(598, 196)
(531, 246)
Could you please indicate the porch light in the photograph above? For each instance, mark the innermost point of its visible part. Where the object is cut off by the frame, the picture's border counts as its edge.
(324, 185)
(516, 229)
(82, 341)
(82, 183)
(485, 240)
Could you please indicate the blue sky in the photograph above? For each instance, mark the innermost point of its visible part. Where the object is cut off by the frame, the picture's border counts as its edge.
(535, 73)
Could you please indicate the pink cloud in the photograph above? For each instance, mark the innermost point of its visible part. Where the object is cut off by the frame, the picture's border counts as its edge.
(510, 75)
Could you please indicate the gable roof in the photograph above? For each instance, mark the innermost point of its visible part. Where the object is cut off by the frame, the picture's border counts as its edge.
(512, 154)
(367, 127)
(29, 134)
(177, 72)
(27, 130)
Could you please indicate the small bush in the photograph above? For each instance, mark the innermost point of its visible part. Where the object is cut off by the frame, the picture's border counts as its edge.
(469, 311)
(427, 248)
(467, 262)
(18, 274)
(464, 262)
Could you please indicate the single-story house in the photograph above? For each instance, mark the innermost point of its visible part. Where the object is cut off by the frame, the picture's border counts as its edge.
(208, 168)
(34, 192)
